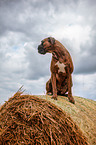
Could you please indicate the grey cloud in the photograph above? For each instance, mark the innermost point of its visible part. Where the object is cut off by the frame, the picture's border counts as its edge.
(86, 62)
(38, 65)
(93, 2)
(26, 17)
(18, 15)
(86, 65)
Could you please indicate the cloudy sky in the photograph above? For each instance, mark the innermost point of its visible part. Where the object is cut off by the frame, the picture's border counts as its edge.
(24, 23)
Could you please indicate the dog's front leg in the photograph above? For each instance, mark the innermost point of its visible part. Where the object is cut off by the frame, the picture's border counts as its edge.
(70, 97)
(54, 88)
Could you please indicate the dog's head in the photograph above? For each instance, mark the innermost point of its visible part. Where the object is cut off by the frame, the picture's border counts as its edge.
(46, 45)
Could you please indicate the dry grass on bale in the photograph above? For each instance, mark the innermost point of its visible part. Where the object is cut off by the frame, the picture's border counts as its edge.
(83, 113)
(27, 119)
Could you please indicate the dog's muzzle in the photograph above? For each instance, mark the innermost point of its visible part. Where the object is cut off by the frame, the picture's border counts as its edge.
(41, 49)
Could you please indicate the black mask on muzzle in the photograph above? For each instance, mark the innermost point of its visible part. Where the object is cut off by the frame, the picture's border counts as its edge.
(41, 49)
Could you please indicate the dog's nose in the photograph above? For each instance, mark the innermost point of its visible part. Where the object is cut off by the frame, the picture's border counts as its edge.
(40, 48)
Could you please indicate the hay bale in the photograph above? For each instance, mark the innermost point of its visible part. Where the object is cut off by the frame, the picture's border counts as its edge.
(27, 119)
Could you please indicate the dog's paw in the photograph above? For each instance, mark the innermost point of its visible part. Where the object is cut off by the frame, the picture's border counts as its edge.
(72, 100)
(54, 97)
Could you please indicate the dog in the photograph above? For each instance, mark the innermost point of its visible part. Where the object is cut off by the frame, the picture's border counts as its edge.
(61, 68)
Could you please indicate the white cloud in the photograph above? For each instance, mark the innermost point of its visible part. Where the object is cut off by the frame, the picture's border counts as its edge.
(75, 33)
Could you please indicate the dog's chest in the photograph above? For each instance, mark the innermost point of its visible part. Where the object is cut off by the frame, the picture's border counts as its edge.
(61, 67)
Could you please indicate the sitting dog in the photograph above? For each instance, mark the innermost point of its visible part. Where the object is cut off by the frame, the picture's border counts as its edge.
(60, 82)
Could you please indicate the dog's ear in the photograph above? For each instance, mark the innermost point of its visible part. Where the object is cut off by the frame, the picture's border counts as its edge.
(51, 40)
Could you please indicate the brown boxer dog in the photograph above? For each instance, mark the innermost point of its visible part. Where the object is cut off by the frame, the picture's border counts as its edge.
(60, 82)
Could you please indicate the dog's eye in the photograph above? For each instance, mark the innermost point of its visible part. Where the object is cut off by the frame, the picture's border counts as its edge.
(42, 42)
(49, 40)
